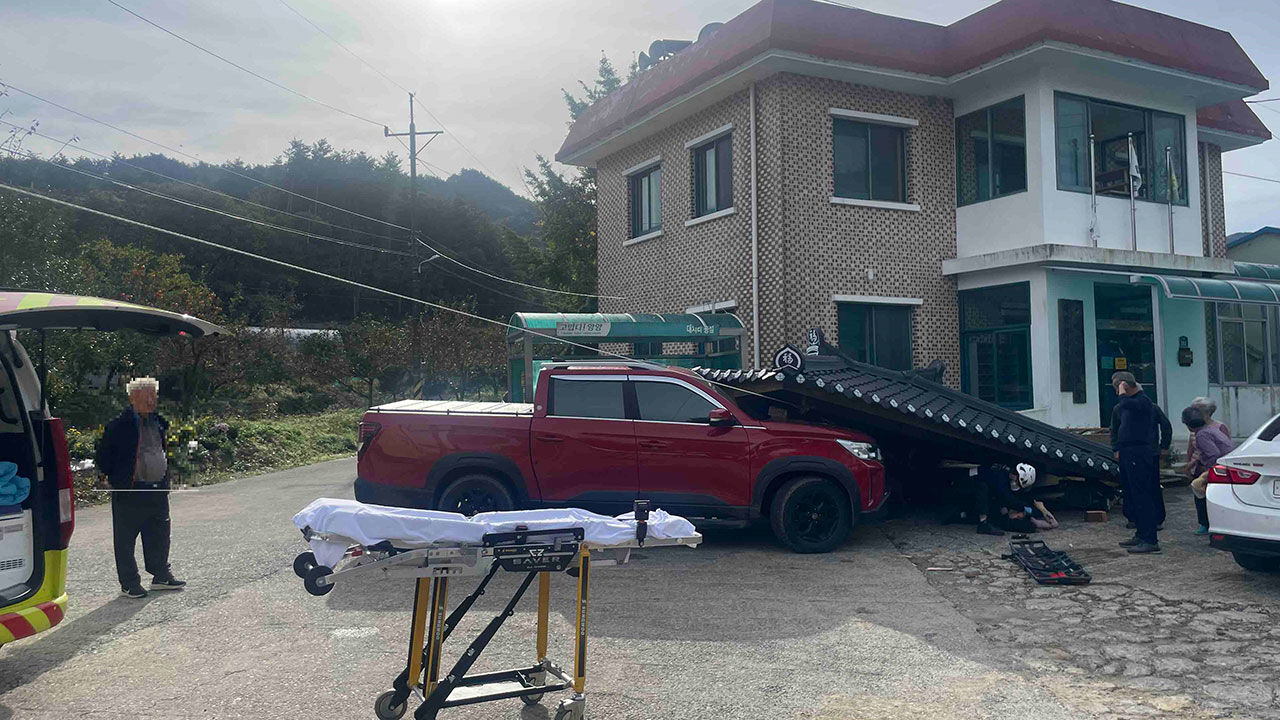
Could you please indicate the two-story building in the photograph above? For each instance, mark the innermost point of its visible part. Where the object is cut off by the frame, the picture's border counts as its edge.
(1017, 194)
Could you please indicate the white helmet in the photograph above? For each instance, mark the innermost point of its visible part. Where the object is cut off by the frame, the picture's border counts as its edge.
(1026, 476)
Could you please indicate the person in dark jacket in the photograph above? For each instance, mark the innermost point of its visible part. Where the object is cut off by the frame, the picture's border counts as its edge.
(1164, 440)
(1136, 435)
(133, 456)
(993, 490)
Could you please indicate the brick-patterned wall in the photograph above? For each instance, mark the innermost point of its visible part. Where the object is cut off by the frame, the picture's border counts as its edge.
(686, 266)
(829, 249)
(1213, 219)
(810, 249)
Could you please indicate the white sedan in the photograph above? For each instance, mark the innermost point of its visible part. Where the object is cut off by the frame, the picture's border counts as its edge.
(1244, 501)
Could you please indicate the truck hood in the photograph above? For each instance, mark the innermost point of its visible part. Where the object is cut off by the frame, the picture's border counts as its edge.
(815, 431)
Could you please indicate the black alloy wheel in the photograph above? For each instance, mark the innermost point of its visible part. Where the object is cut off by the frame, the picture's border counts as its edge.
(474, 494)
(811, 515)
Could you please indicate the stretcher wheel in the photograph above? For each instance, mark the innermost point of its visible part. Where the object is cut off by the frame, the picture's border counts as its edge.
(314, 574)
(532, 699)
(304, 562)
(569, 709)
(384, 708)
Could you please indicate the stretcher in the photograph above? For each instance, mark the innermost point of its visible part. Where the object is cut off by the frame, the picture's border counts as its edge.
(354, 541)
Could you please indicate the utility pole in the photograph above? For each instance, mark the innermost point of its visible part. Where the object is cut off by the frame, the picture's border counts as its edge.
(413, 161)
(413, 228)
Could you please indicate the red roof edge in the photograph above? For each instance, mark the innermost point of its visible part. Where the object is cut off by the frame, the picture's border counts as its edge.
(1235, 116)
(847, 34)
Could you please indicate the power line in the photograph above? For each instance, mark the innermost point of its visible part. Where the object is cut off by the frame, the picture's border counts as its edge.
(242, 68)
(1254, 102)
(215, 211)
(1254, 177)
(335, 278)
(198, 186)
(263, 183)
(495, 277)
(350, 52)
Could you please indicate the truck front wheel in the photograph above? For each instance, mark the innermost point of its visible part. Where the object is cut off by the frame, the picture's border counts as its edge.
(475, 493)
(811, 515)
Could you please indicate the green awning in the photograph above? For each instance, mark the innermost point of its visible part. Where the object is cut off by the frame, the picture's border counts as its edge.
(1180, 287)
(1258, 271)
(624, 327)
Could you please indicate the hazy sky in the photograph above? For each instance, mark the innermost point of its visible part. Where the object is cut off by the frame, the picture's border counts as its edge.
(490, 70)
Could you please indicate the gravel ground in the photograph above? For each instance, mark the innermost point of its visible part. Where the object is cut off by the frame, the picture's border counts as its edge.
(737, 628)
(1183, 634)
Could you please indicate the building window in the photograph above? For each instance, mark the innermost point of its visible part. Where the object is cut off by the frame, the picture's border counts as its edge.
(875, 334)
(869, 160)
(1243, 336)
(713, 176)
(995, 342)
(991, 152)
(1111, 124)
(646, 201)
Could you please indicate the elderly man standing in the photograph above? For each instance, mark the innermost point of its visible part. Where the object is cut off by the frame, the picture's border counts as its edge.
(1137, 427)
(132, 455)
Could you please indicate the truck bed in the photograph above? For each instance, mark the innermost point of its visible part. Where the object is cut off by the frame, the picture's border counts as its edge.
(456, 407)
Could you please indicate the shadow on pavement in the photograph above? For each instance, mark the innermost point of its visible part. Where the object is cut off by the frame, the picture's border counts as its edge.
(28, 659)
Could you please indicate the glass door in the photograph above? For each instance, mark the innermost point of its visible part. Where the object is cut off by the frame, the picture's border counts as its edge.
(1126, 341)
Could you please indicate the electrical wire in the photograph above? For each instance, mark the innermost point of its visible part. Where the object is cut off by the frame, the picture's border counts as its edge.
(263, 183)
(349, 51)
(353, 283)
(206, 208)
(197, 186)
(242, 68)
(1254, 177)
(1267, 100)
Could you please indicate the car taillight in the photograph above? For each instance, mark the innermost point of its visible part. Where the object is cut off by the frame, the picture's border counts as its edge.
(1232, 476)
(66, 494)
(367, 432)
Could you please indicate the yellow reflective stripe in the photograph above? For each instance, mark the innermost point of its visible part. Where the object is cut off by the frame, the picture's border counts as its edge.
(37, 618)
(35, 300)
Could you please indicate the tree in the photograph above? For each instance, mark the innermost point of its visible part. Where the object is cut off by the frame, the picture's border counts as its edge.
(563, 251)
(361, 356)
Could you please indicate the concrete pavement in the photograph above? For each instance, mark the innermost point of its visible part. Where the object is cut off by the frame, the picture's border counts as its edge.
(736, 628)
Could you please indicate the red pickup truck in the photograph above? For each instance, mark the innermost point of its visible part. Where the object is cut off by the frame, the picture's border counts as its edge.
(600, 436)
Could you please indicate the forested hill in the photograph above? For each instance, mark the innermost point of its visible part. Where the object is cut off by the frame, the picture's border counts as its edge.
(469, 217)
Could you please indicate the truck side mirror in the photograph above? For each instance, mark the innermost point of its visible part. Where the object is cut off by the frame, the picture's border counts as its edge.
(720, 417)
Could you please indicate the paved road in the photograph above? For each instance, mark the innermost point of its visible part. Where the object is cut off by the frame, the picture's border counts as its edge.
(736, 628)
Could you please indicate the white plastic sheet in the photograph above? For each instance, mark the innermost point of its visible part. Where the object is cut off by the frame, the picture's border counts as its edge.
(409, 528)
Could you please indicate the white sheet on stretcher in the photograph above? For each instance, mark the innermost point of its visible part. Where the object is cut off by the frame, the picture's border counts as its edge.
(409, 528)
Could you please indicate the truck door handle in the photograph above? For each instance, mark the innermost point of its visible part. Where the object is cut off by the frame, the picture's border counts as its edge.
(652, 444)
(549, 438)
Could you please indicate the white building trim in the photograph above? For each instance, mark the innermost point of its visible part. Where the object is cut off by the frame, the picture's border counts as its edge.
(713, 306)
(709, 216)
(882, 204)
(877, 300)
(634, 169)
(701, 139)
(876, 118)
(641, 238)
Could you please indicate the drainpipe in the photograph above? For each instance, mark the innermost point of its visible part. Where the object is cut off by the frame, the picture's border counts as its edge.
(755, 238)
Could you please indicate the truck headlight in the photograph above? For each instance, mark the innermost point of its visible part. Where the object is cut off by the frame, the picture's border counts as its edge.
(861, 450)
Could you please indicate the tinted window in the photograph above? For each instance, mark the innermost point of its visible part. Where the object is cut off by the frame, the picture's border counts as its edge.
(868, 161)
(713, 177)
(671, 403)
(587, 398)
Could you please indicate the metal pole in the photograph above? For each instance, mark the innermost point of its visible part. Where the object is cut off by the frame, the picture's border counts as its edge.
(1168, 173)
(1133, 202)
(1093, 194)
(413, 178)
(755, 241)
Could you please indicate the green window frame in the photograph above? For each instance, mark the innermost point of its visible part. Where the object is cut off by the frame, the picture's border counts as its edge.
(995, 345)
(646, 200)
(713, 176)
(1074, 118)
(869, 161)
(875, 333)
(991, 152)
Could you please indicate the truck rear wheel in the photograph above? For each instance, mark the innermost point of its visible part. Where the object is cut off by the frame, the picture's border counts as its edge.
(475, 493)
(811, 515)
